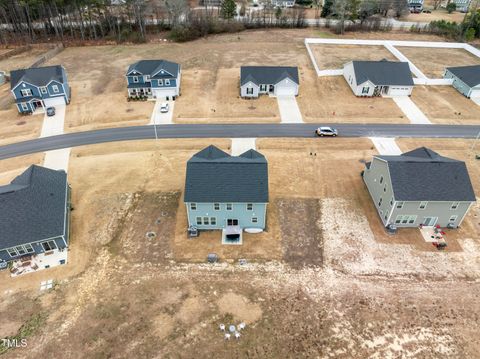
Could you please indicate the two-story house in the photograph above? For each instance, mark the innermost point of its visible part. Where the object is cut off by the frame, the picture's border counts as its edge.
(419, 187)
(34, 220)
(39, 88)
(157, 79)
(228, 193)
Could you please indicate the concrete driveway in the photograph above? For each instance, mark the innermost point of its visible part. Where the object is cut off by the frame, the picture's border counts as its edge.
(386, 145)
(53, 126)
(159, 118)
(289, 111)
(414, 114)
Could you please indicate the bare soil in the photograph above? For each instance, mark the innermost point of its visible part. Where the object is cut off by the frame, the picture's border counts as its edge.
(445, 105)
(335, 56)
(433, 61)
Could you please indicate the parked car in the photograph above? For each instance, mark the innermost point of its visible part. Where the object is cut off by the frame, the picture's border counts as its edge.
(164, 107)
(50, 111)
(326, 131)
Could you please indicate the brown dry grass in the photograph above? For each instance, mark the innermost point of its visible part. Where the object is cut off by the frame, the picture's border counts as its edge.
(433, 61)
(330, 99)
(440, 14)
(335, 56)
(445, 105)
(22, 60)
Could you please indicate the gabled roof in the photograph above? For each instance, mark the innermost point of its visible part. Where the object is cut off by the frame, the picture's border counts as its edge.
(215, 176)
(32, 207)
(424, 175)
(468, 74)
(384, 72)
(267, 75)
(38, 76)
(151, 67)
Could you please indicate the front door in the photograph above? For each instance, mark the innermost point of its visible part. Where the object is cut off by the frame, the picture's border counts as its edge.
(232, 222)
(271, 88)
(429, 221)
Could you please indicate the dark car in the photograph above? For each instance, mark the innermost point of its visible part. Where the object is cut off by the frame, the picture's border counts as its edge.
(50, 111)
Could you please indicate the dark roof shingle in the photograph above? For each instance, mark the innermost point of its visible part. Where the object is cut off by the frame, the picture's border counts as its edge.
(38, 76)
(424, 175)
(150, 67)
(468, 74)
(32, 207)
(215, 176)
(388, 73)
(267, 75)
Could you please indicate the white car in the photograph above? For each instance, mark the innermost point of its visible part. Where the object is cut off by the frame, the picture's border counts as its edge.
(326, 131)
(164, 107)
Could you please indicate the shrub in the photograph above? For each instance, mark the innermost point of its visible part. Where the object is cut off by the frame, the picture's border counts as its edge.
(451, 7)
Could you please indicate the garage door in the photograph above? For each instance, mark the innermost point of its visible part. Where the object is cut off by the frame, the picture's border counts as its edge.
(163, 93)
(285, 90)
(54, 101)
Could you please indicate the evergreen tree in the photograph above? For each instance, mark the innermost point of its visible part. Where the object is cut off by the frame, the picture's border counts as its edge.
(228, 9)
(327, 8)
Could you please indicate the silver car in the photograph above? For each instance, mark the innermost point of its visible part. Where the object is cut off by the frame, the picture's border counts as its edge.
(326, 131)
(164, 107)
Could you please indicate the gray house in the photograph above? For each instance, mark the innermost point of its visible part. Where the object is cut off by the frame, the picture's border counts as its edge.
(34, 220)
(379, 78)
(271, 80)
(419, 187)
(228, 193)
(466, 79)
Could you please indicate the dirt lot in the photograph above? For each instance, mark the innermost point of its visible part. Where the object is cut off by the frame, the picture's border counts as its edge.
(335, 56)
(330, 99)
(433, 61)
(22, 60)
(329, 290)
(445, 105)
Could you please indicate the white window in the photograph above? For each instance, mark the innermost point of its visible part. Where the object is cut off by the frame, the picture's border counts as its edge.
(167, 82)
(135, 79)
(400, 205)
(55, 88)
(26, 92)
(454, 205)
(206, 221)
(365, 90)
(199, 221)
(423, 205)
(147, 78)
(254, 219)
(216, 206)
(160, 82)
(381, 179)
(262, 88)
(249, 90)
(24, 106)
(20, 250)
(43, 89)
(49, 246)
(12, 252)
(452, 218)
(29, 248)
(213, 221)
(405, 219)
(391, 201)
(229, 206)
(193, 206)
(249, 206)
(380, 202)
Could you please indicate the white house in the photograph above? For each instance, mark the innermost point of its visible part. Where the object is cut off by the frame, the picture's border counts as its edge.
(272, 80)
(379, 78)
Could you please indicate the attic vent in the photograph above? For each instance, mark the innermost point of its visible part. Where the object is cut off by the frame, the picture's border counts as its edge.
(23, 85)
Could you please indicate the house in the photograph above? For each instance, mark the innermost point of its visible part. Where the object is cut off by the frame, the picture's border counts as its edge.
(38, 88)
(228, 193)
(283, 3)
(157, 79)
(466, 79)
(419, 187)
(272, 80)
(379, 78)
(415, 6)
(34, 220)
(462, 5)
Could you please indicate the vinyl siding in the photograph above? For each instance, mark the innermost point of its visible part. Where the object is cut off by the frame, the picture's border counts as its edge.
(37, 247)
(243, 90)
(458, 84)
(239, 211)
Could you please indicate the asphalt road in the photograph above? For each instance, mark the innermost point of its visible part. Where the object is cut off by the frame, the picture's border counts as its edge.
(228, 131)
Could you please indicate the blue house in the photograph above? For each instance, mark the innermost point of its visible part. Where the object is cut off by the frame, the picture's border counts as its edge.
(466, 79)
(39, 88)
(34, 220)
(157, 79)
(228, 193)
